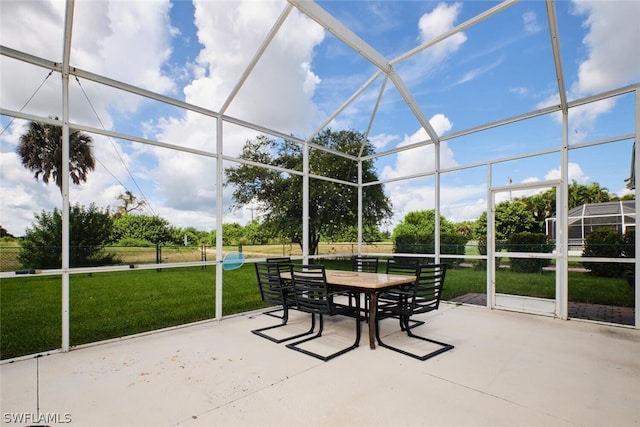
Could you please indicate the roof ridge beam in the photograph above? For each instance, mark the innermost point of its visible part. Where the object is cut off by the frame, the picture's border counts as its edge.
(342, 32)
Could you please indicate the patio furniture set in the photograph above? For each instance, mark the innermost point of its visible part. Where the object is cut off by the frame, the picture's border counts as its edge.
(405, 290)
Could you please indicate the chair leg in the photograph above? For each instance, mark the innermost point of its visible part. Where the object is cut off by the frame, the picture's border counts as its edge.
(285, 317)
(356, 343)
(409, 323)
(404, 326)
(273, 311)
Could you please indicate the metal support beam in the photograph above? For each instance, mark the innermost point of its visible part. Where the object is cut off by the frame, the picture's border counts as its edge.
(360, 222)
(637, 191)
(490, 246)
(68, 26)
(219, 216)
(562, 235)
(555, 46)
(305, 203)
(337, 28)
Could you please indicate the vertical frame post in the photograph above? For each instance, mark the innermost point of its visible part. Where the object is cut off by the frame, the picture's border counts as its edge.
(66, 55)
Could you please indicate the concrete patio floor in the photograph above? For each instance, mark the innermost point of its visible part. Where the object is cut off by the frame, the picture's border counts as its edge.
(507, 369)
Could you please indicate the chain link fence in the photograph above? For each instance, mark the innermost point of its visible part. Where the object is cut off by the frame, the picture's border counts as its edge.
(122, 255)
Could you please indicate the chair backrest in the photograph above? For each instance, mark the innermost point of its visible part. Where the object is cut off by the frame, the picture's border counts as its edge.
(428, 287)
(269, 281)
(364, 264)
(408, 267)
(310, 288)
(280, 260)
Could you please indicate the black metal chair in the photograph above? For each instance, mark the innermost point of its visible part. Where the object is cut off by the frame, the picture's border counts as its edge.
(404, 267)
(273, 290)
(365, 264)
(278, 260)
(422, 297)
(313, 296)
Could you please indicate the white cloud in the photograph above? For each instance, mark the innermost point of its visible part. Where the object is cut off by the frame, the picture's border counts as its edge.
(434, 24)
(381, 141)
(575, 173)
(477, 72)
(407, 197)
(422, 159)
(520, 91)
(612, 45)
(530, 21)
(431, 25)
(283, 72)
(101, 29)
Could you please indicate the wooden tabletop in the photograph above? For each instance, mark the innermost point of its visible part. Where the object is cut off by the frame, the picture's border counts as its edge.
(362, 280)
(356, 279)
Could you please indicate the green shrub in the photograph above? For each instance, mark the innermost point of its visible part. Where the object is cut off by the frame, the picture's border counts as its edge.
(89, 231)
(131, 242)
(629, 251)
(629, 242)
(604, 243)
(450, 244)
(416, 235)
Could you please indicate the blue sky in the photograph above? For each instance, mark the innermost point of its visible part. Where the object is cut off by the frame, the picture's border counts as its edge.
(196, 51)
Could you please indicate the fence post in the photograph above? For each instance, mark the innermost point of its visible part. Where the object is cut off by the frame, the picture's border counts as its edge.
(158, 256)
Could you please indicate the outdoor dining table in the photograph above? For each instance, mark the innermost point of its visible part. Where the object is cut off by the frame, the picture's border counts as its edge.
(369, 284)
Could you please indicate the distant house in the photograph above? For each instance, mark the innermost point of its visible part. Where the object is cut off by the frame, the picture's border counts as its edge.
(584, 219)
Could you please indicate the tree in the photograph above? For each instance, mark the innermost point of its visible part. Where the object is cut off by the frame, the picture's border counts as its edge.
(416, 234)
(511, 217)
(332, 206)
(255, 234)
(582, 194)
(129, 204)
(90, 230)
(194, 236)
(5, 233)
(153, 229)
(40, 150)
(350, 234)
(541, 206)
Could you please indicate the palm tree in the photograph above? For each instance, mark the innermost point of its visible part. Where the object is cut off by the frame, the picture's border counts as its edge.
(40, 149)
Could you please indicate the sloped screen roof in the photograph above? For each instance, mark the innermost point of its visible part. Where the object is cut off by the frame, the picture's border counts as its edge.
(453, 87)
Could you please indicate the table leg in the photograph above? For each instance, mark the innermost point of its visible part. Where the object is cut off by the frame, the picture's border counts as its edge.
(373, 309)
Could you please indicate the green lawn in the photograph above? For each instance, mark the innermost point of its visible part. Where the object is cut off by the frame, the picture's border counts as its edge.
(111, 305)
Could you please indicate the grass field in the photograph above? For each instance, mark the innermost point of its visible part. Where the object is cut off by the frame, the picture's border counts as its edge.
(116, 304)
